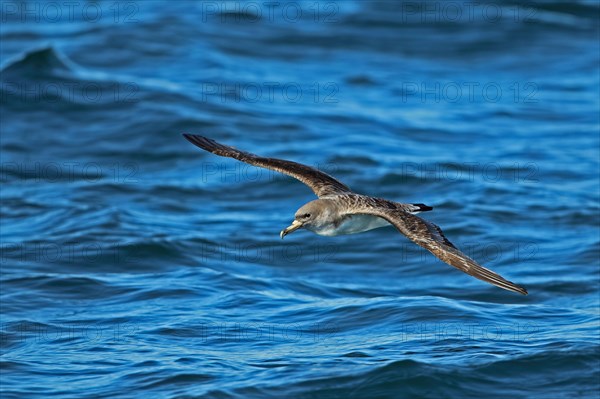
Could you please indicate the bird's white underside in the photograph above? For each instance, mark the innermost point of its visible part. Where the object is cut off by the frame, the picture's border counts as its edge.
(353, 225)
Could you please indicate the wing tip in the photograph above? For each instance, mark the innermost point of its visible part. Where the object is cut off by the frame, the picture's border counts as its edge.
(203, 142)
(189, 136)
(522, 290)
(510, 286)
(193, 138)
(499, 281)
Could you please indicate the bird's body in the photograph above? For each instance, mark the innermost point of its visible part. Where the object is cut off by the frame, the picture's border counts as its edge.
(337, 214)
(339, 211)
(353, 224)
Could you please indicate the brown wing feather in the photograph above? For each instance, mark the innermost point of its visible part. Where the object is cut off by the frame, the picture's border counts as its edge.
(431, 237)
(319, 182)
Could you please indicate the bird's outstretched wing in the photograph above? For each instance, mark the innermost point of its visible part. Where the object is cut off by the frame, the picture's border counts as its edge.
(431, 237)
(319, 182)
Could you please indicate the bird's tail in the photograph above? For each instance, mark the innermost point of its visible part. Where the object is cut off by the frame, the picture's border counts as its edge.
(416, 208)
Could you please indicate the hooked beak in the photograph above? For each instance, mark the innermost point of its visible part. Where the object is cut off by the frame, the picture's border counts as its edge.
(295, 226)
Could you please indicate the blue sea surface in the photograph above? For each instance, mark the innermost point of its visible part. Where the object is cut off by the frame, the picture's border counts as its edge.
(135, 265)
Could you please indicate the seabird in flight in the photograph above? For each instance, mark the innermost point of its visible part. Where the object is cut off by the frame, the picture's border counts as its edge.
(338, 210)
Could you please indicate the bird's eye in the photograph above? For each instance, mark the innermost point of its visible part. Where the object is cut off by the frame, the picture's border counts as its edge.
(306, 215)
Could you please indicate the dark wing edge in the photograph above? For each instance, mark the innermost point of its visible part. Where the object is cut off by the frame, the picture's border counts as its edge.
(431, 237)
(319, 182)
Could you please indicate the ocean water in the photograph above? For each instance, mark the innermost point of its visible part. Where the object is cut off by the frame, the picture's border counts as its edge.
(136, 265)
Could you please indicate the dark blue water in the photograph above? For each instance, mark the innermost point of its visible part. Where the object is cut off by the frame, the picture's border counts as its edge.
(136, 265)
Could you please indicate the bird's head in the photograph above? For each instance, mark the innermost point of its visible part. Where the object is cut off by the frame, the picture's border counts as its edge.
(311, 216)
